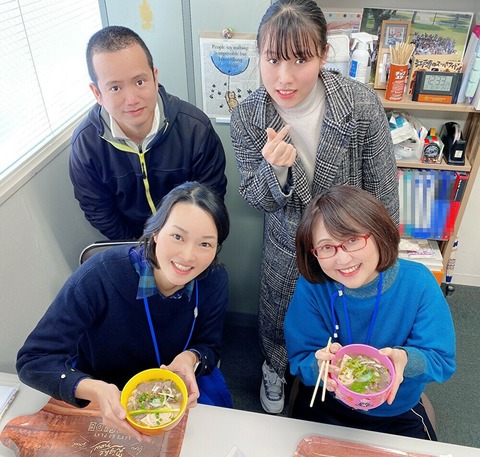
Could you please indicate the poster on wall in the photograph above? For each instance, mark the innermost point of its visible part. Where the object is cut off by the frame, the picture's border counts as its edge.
(229, 70)
(343, 20)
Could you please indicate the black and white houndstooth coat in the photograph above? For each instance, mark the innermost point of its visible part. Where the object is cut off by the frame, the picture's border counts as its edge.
(355, 149)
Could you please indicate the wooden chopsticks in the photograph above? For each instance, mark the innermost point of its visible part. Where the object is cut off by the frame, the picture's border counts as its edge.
(400, 53)
(323, 370)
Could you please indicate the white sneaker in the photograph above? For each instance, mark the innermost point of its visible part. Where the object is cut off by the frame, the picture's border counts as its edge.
(272, 395)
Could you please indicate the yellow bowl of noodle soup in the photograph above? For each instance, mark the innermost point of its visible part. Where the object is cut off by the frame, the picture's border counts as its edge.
(155, 400)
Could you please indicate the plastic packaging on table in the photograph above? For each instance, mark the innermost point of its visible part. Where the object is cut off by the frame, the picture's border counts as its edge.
(319, 446)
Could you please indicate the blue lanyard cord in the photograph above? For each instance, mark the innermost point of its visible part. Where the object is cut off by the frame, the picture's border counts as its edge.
(334, 317)
(341, 293)
(375, 310)
(152, 330)
(347, 320)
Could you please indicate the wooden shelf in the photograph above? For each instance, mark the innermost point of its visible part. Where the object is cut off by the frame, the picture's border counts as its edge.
(472, 162)
(434, 166)
(408, 104)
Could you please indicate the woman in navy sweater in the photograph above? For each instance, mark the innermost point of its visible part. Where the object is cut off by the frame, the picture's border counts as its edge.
(127, 309)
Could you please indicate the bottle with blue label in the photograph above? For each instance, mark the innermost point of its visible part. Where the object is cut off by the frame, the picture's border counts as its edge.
(360, 63)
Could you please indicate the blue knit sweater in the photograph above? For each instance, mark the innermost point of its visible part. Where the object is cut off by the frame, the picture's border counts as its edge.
(97, 328)
(413, 314)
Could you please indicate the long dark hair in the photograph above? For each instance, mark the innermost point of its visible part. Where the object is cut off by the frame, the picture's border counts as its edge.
(189, 192)
(345, 211)
(291, 27)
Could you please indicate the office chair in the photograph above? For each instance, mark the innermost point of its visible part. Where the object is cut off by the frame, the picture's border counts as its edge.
(101, 246)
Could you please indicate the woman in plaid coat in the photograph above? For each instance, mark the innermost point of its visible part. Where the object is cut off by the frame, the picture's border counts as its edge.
(303, 131)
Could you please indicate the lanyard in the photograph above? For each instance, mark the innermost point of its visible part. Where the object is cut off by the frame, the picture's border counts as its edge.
(341, 293)
(152, 330)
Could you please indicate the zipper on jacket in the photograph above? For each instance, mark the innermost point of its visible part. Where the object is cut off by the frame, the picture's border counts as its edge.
(143, 165)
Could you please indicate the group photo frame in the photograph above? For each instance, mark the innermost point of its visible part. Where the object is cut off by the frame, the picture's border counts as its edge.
(432, 33)
(392, 32)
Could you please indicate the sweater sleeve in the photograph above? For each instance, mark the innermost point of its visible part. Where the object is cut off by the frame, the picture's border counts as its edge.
(95, 198)
(431, 343)
(46, 361)
(306, 330)
(259, 185)
(209, 162)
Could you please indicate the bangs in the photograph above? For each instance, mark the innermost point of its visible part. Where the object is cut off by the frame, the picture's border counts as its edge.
(340, 224)
(284, 40)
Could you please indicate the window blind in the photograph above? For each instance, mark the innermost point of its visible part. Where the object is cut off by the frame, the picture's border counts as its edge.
(43, 78)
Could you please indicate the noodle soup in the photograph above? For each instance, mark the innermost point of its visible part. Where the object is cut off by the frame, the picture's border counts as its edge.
(154, 403)
(155, 400)
(366, 376)
(363, 374)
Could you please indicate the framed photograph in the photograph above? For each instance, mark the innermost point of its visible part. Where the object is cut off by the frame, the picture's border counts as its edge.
(432, 32)
(392, 32)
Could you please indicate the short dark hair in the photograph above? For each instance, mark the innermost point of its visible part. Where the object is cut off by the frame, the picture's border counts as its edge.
(291, 27)
(189, 192)
(112, 39)
(345, 211)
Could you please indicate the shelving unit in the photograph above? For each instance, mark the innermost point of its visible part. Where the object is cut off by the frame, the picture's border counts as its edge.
(471, 133)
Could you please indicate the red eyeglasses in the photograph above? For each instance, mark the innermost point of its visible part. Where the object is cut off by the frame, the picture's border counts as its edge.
(355, 243)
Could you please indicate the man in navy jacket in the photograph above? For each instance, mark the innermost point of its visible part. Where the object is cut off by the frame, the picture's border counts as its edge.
(138, 142)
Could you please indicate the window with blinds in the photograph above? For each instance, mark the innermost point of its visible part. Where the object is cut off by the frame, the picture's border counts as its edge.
(43, 77)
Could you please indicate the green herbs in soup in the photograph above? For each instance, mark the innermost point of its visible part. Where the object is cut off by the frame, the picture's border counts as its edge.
(155, 403)
(362, 374)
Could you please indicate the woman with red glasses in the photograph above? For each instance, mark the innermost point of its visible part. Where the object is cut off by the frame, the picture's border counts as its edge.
(354, 289)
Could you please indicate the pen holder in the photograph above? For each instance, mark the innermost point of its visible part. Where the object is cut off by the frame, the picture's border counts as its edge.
(397, 80)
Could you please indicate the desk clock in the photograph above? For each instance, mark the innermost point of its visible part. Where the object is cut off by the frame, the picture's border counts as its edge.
(436, 87)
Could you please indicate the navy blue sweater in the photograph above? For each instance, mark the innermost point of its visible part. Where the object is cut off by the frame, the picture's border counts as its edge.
(97, 328)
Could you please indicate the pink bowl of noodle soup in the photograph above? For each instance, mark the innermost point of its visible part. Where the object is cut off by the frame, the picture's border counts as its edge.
(366, 376)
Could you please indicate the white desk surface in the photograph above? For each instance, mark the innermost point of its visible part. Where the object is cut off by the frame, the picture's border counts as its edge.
(213, 432)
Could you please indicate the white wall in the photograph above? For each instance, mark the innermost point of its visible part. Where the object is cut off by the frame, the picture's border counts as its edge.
(42, 231)
(164, 37)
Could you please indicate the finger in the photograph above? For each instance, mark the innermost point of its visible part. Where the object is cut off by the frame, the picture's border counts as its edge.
(273, 136)
(331, 385)
(192, 400)
(118, 410)
(388, 352)
(392, 394)
(396, 385)
(124, 427)
(335, 347)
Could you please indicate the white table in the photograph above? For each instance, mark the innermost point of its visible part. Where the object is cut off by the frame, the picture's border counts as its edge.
(254, 434)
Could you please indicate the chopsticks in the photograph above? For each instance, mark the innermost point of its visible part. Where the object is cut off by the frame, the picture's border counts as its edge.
(324, 371)
(401, 53)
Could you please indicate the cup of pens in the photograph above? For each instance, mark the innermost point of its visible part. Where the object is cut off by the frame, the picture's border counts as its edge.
(397, 78)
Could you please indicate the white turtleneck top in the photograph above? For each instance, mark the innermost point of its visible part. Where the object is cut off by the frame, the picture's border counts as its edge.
(305, 120)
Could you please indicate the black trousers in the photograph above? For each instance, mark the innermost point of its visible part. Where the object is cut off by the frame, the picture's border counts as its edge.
(414, 423)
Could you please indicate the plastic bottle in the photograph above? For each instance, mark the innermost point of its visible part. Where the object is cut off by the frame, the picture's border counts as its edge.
(360, 63)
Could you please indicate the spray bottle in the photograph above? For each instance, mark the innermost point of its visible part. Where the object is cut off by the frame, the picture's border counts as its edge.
(360, 61)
